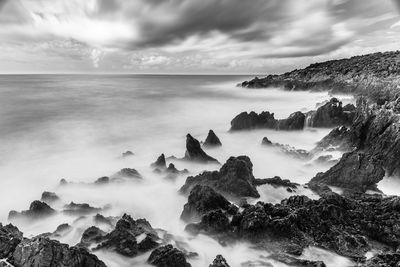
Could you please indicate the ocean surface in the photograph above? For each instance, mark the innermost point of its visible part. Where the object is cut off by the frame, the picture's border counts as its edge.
(76, 127)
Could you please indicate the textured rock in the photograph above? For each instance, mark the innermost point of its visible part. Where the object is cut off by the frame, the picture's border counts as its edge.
(219, 261)
(78, 209)
(330, 114)
(36, 210)
(235, 178)
(337, 139)
(160, 162)
(10, 237)
(295, 121)
(212, 140)
(49, 197)
(92, 235)
(168, 256)
(252, 120)
(203, 199)
(383, 260)
(128, 173)
(277, 181)
(62, 230)
(194, 152)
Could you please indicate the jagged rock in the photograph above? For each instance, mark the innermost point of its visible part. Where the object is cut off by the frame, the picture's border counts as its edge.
(277, 181)
(100, 219)
(235, 178)
(355, 170)
(168, 256)
(37, 210)
(292, 261)
(212, 140)
(290, 151)
(127, 154)
(195, 153)
(160, 162)
(49, 197)
(295, 121)
(130, 237)
(62, 230)
(219, 261)
(383, 260)
(127, 173)
(92, 235)
(10, 237)
(173, 170)
(78, 209)
(214, 221)
(40, 251)
(330, 114)
(102, 180)
(203, 199)
(337, 139)
(252, 120)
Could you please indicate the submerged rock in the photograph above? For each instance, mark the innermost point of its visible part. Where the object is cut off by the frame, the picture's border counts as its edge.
(212, 140)
(78, 209)
(130, 237)
(219, 261)
(194, 152)
(49, 197)
(203, 199)
(37, 210)
(168, 256)
(235, 178)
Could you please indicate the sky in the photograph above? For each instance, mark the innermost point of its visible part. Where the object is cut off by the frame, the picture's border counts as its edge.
(190, 36)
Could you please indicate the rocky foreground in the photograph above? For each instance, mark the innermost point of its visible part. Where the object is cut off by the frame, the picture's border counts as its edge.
(358, 221)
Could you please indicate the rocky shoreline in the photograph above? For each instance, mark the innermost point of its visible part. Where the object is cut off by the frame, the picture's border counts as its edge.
(351, 224)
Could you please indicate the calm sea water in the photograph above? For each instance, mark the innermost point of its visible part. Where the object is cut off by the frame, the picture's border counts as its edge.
(76, 127)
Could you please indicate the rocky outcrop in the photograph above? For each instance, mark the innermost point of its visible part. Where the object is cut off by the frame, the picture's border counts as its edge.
(252, 120)
(203, 199)
(337, 139)
(288, 150)
(219, 261)
(383, 260)
(49, 197)
(128, 154)
(102, 180)
(37, 210)
(44, 252)
(277, 181)
(92, 235)
(331, 114)
(295, 121)
(194, 152)
(62, 230)
(78, 209)
(212, 140)
(168, 256)
(10, 237)
(130, 237)
(235, 178)
(160, 163)
(349, 226)
(128, 173)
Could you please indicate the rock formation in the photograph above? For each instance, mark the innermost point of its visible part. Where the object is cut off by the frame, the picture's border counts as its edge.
(37, 210)
(194, 152)
(168, 256)
(212, 140)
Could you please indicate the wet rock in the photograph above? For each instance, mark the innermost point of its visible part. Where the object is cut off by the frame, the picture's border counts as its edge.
(44, 252)
(92, 235)
(102, 180)
(130, 237)
(194, 152)
(252, 120)
(10, 237)
(219, 261)
(127, 173)
(49, 197)
(295, 121)
(277, 181)
(127, 154)
(203, 199)
(330, 114)
(235, 178)
(78, 209)
(355, 171)
(168, 256)
(212, 140)
(160, 162)
(36, 210)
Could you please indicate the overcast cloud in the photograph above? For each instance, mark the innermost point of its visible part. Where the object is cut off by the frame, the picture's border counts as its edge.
(190, 36)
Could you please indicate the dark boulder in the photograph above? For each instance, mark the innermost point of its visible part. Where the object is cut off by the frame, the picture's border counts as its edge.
(44, 252)
(201, 200)
(36, 210)
(219, 261)
(266, 141)
(78, 209)
(160, 162)
(194, 152)
(168, 256)
(252, 120)
(295, 121)
(330, 114)
(130, 237)
(277, 181)
(49, 197)
(355, 171)
(92, 235)
(212, 140)
(235, 178)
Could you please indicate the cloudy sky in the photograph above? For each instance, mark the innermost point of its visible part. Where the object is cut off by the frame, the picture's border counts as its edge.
(190, 36)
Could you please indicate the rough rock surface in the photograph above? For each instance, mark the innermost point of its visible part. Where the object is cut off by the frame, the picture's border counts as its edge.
(277, 181)
(337, 139)
(37, 210)
(212, 140)
(383, 260)
(252, 120)
(49, 197)
(78, 209)
(219, 261)
(10, 237)
(168, 256)
(92, 235)
(235, 178)
(203, 199)
(130, 237)
(349, 226)
(128, 173)
(194, 152)
(295, 121)
(330, 114)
